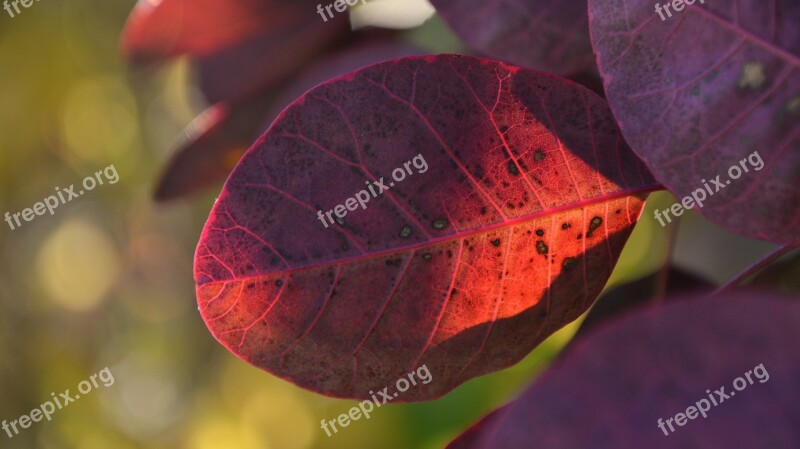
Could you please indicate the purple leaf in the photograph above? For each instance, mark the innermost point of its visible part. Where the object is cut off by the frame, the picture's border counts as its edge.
(612, 389)
(215, 141)
(211, 147)
(545, 35)
(266, 61)
(701, 91)
(642, 293)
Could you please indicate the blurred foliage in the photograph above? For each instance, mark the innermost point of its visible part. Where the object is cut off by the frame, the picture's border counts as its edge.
(107, 280)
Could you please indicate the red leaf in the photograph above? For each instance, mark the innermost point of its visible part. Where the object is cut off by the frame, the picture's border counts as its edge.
(545, 35)
(701, 91)
(610, 392)
(510, 233)
(166, 28)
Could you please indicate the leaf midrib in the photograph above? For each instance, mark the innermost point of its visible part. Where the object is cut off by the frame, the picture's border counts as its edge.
(457, 236)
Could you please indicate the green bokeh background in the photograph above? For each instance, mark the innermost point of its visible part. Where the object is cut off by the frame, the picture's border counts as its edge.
(107, 280)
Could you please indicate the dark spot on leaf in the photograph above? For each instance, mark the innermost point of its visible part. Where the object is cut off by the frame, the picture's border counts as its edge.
(512, 167)
(569, 263)
(439, 224)
(565, 226)
(483, 210)
(541, 247)
(594, 224)
(405, 232)
(539, 232)
(340, 221)
(427, 256)
(279, 283)
(538, 155)
(496, 242)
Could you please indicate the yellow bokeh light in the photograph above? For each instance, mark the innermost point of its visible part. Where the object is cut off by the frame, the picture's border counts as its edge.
(277, 412)
(216, 432)
(77, 265)
(281, 418)
(95, 441)
(99, 120)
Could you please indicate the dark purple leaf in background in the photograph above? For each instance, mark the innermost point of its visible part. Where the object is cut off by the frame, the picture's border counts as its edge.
(268, 60)
(215, 141)
(539, 34)
(780, 277)
(702, 90)
(211, 146)
(610, 391)
(648, 291)
(242, 47)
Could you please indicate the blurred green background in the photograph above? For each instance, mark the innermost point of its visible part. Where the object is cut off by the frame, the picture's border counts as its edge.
(107, 281)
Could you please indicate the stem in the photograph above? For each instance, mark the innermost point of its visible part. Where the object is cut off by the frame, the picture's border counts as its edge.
(754, 268)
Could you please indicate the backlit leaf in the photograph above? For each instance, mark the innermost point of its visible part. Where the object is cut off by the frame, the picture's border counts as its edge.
(517, 198)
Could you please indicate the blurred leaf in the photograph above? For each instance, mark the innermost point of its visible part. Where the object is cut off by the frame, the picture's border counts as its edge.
(215, 141)
(161, 29)
(211, 147)
(538, 34)
(646, 292)
(781, 277)
(613, 389)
